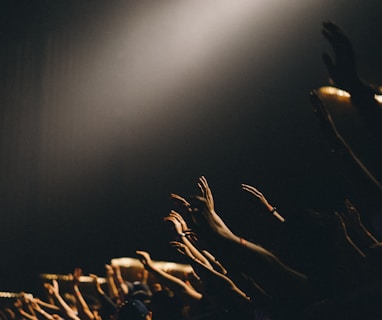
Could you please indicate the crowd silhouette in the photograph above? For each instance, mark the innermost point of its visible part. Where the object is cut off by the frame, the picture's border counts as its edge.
(332, 269)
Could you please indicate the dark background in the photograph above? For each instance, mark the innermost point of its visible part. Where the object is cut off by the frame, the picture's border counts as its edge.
(109, 106)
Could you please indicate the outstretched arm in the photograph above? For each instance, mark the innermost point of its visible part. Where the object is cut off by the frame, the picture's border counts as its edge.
(210, 275)
(108, 306)
(347, 237)
(122, 287)
(263, 200)
(20, 308)
(114, 294)
(274, 276)
(179, 287)
(342, 67)
(83, 308)
(53, 290)
(41, 311)
(351, 218)
(180, 227)
(341, 145)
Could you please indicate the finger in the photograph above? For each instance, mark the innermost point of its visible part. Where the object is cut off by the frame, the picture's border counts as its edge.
(169, 218)
(208, 189)
(342, 222)
(197, 202)
(251, 189)
(202, 190)
(332, 27)
(204, 184)
(179, 199)
(332, 33)
(175, 214)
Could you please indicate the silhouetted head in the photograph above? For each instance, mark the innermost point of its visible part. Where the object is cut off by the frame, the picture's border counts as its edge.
(134, 310)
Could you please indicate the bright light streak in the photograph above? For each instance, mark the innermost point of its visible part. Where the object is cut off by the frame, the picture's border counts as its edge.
(145, 63)
(169, 45)
(126, 262)
(335, 91)
(341, 93)
(378, 98)
(132, 75)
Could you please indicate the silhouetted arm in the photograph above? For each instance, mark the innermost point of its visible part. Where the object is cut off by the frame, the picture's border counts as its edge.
(263, 200)
(179, 287)
(53, 289)
(342, 67)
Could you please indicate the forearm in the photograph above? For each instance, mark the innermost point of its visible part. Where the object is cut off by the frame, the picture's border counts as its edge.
(26, 314)
(268, 271)
(195, 252)
(45, 314)
(83, 308)
(113, 290)
(47, 305)
(219, 280)
(368, 236)
(179, 287)
(64, 307)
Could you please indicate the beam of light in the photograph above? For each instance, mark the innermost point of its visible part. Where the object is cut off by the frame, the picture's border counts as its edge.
(136, 70)
(129, 75)
(167, 46)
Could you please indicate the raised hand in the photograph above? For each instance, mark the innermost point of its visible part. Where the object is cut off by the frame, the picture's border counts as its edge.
(176, 223)
(257, 194)
(182, 248)
(353, 219)
(342, 68)
(207, 219)
(53, 289)
(263, 200)
(347, 237)
(206, 192)
(180, 200)
(109, 270)
(77, 273)
(180, 219)
(145, 259)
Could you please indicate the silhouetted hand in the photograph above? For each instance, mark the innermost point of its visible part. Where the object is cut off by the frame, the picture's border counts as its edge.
(346, 234)
(75, 277)
(342, 68)
(206, 193)
(263, 200)
(352, 219)
(145, 259)
(53, 289)
(183, 249)
(207, 219)
(175, 222)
